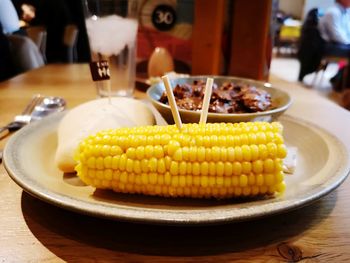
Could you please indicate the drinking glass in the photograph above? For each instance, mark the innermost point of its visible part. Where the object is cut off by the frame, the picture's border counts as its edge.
(112, 28)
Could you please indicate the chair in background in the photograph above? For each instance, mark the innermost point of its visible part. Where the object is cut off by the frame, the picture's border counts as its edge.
(288, 37)
(39, 36)
(24, 53)
(325, 61)
(70, 38)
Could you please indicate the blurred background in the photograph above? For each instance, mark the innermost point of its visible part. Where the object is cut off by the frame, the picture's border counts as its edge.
(251, 39)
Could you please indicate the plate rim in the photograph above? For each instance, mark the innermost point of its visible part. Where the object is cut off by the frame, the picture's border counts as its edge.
(154, 215)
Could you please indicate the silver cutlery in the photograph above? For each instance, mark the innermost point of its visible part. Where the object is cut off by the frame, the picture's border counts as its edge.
(24, 118)
(39, 107)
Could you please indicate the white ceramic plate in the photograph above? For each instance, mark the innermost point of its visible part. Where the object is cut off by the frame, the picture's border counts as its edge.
(323, 164)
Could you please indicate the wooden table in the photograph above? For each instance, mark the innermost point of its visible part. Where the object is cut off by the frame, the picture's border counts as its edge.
(34, 231)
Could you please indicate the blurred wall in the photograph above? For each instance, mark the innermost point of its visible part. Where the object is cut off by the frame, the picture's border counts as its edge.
(292, 7)
(299, 8)
(323, 4)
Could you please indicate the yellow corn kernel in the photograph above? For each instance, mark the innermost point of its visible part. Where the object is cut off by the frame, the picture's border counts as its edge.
(149, 151)
(208, 154)
(246, 167)
(234, 180)
(238, 153)
(129, 167)
(212, 168)
(152, 164)
(144, 166)
(204, 168)
(99, 163)
(144, 178)
(213, 140)
(246, 153)
(204, 181)
(91, 162)
(153, 178)
(206, 141)
(259, 180)
(254, 150)
(258, 166)
(185, 153)
(237, 168)
(192, 153)
(189, 180)
(107, 162)
(131, 178)
(251, 179)
(137, 167)
(196, 180)
(140, 152)
(172, 147)
(220, 168)
(196, 169)
(167, 161)
(123, 177)
(215, 153)
(243, 180)
(211, 181)
(201, 154)
(131, 153)
(174, 168)
(167, 178)
(122, 162)
(244, 140)
(281, 151)
(177, 155)
(158, 151)
(263, 153)
(219, 181)
(228, 169)
(164, 139)
(231, 154)
(269, 179)
(189, 168)
(96, 150)
(199, 140)
(222, 140)
(223, 154)
(99, 174)
(161, 166)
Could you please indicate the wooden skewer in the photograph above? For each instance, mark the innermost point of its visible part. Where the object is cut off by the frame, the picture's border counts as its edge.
(109, 84)
(206, 101)
(172, 102)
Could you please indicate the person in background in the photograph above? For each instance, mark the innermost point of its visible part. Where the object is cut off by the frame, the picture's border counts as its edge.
(9, 17)
(9, 24)
(334, 28)
(18, 53)
(54, 15)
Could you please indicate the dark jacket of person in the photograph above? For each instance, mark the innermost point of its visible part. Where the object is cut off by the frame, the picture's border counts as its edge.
(311, 45)
(7, 68)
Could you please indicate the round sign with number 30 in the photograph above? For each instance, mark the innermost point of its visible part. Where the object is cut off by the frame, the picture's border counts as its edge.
(164, 17)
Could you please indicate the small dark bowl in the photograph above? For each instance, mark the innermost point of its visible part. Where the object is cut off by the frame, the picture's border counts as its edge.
(280, 99)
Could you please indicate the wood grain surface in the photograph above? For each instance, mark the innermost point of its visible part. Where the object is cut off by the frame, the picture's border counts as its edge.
(34, 231)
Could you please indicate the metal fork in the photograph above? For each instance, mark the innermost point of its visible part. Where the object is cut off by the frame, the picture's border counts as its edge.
(24, 118)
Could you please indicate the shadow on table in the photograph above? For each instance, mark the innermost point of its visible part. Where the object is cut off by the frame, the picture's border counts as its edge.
(60, 230)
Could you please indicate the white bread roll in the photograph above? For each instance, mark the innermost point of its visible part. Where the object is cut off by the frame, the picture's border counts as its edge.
(94, 116)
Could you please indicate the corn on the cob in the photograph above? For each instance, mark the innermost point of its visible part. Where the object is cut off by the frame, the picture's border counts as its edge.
(212, 160)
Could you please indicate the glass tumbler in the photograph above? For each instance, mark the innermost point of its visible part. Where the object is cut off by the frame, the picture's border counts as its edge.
(112, 28)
